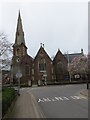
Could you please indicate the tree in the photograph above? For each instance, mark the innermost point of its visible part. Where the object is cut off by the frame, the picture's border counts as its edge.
(5, 45)
(5, 51)
(79, 66)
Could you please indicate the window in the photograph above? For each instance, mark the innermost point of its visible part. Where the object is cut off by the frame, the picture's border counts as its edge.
(26, 70)
(59, 67)
(23, 51)
(32, 71)
(52, 70)
(18, 52)
(42, 65)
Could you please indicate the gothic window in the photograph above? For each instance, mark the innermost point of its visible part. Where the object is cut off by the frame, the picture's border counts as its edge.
(26, 69)
(23, 51)
(42, 65)
(32, 71)
(18, 52)
(52, 70)
(59, 67)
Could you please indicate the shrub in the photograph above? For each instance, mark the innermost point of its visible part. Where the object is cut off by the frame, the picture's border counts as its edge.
(8, 94)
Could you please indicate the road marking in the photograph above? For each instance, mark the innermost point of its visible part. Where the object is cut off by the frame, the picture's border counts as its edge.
(77, 97)
(46, 99)
(54, 100)
(72, 97)
(40, 100)
(58, 98)
(64, 98)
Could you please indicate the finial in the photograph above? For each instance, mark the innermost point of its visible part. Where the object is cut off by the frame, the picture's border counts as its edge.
(19, 11)
(58, 49)
(41, 44)
(81, 50)
(19, 16)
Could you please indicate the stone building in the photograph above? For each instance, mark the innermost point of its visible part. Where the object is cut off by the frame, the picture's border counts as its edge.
(60, 67)
(21, 61)
(43, 66)
(39, 70)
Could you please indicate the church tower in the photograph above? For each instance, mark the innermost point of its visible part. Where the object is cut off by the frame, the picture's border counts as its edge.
(19, 48)
(21, 61)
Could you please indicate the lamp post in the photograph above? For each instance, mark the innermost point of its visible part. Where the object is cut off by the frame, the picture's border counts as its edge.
(68, 66)
(87, 83)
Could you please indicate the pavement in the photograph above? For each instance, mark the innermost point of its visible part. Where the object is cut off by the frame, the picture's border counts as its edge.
(25, 107)
(85, 93)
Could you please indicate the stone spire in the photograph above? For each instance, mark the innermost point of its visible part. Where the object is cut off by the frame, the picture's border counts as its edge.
(19, 32)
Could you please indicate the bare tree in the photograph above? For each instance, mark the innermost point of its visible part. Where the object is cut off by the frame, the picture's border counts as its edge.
(5, 51)
(5, 45)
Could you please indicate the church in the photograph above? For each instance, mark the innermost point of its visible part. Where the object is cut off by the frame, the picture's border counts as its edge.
(39, 70)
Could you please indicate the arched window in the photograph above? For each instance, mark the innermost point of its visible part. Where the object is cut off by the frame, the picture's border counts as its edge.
(23, 51)
(59, 67)
(42, 65)
(27, 72)
(18, 52)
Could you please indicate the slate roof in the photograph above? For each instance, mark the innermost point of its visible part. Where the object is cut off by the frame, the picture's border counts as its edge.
(72, 56)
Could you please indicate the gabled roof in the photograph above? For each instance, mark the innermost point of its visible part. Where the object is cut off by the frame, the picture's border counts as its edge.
(40, 51)
(59, 53)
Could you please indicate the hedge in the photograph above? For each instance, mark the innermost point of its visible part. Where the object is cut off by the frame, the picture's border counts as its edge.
(8, 94)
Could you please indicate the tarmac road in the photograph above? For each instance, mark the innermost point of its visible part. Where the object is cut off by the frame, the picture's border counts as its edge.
(61, 101)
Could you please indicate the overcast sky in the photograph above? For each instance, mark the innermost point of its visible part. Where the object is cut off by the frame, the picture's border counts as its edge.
(62, 25)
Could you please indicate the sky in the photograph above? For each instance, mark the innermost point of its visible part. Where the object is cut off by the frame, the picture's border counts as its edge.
(56, 24)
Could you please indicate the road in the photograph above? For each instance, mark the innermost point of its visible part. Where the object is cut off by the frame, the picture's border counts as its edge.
(61, 101)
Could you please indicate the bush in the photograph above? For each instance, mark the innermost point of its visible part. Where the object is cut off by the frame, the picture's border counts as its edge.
(8, 94)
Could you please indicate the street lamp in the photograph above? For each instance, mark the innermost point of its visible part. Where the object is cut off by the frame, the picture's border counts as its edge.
(87, 81)
(68, 66)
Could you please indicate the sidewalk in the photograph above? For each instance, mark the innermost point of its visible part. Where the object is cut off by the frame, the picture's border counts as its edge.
(85, 92)
(25, 107)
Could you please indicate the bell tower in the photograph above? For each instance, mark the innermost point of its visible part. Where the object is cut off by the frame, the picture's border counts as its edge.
(21, 61)
(19, 48)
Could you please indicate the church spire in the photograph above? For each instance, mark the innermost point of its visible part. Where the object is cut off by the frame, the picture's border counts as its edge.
(19, 32)
(19, 16)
